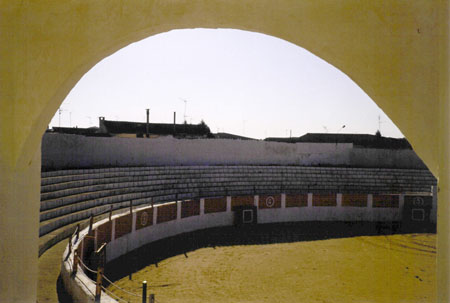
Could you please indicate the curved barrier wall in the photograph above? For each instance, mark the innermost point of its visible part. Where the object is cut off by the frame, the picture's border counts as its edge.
(126, 232)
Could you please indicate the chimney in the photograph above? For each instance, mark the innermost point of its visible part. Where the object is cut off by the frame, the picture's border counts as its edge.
(174, 121)
(101, 125)
(147, 125)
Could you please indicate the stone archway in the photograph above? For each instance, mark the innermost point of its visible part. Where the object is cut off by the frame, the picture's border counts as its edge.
(396, 51)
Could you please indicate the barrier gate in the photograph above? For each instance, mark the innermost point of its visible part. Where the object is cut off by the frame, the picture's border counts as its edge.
(416, 211)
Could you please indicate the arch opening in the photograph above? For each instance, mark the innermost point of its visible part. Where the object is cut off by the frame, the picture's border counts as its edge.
(219, 75)
(175, 97)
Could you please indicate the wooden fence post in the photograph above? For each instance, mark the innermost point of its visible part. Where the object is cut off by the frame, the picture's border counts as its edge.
(75, 263)
(100, 269)
(144, 292)
(78, 232)
(98, 287)
(91, 223)
(70, 244)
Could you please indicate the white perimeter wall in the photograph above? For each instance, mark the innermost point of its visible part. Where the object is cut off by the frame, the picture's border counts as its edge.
(81, 287)
(60, 151)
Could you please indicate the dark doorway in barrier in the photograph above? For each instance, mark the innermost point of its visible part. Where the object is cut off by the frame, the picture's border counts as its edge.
(245, 215)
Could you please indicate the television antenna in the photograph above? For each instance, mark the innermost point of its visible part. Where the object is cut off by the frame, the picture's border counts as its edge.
(342, 127)
(60, 110)
(185, 104)
(379, 123)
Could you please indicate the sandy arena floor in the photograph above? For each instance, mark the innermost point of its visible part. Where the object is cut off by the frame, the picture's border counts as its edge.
(395, 268)
(49, 269)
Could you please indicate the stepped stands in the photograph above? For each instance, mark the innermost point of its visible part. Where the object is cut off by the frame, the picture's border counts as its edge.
(69, 197)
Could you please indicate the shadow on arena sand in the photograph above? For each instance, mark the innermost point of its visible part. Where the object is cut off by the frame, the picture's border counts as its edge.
(260, 234)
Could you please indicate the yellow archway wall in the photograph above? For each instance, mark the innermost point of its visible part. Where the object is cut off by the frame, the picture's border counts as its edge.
(395, 50)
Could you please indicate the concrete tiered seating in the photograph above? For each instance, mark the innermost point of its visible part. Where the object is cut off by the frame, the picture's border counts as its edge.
(69, 197)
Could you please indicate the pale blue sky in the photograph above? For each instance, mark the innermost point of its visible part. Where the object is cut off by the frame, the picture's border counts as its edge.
(238, 82)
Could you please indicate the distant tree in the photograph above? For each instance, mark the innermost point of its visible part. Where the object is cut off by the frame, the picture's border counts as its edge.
(205, 127)
(378, 133)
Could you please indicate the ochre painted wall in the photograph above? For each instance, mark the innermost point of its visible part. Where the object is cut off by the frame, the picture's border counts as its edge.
(396, 51)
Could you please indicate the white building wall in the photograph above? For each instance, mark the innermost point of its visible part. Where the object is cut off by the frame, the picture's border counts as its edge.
(61, 151)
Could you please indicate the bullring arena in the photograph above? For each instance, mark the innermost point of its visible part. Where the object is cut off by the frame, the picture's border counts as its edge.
(233, 233)
(396, 51)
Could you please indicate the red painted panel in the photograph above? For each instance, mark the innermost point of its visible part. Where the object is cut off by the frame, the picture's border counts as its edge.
(270, 201)
(324, 200)
(354, 200)
(386, 201)
(242, 200)
(104, 233)
(190, 208)
(144, 218)
(123, 226)
(167, 212)
(297, 200)
(88, 246)
(215, 205)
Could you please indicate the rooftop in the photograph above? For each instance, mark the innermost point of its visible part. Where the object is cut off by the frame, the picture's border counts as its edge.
(358, 140)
